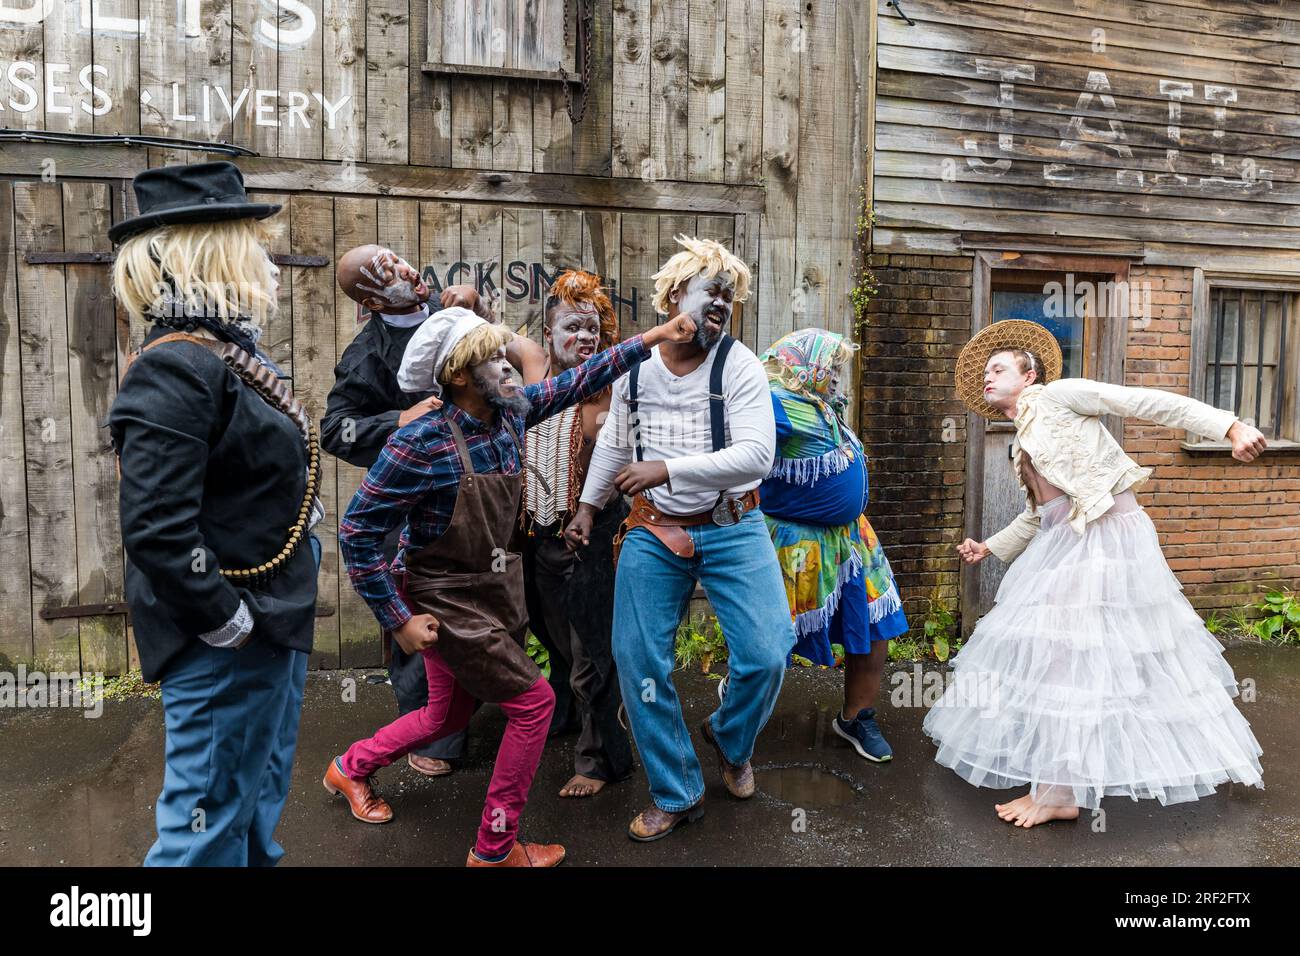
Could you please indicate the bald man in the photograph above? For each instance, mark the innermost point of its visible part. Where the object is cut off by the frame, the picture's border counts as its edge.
(366, 405)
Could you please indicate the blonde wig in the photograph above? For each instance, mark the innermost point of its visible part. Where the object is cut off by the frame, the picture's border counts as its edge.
(477, 346)
(212, 268)
(705, 256)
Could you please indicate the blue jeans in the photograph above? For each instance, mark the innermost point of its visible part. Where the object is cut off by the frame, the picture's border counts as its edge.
(232, 728)
(737, 566)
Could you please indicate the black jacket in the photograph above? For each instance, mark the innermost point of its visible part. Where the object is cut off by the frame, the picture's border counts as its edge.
(212, 476)
(366, 391)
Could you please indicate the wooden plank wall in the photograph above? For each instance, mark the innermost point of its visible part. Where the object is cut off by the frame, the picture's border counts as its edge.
(754, 92)
(765, 94)
(61, 348)
(1172, 123)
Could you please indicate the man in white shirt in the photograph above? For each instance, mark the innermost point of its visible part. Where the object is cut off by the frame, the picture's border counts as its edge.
(690, 435)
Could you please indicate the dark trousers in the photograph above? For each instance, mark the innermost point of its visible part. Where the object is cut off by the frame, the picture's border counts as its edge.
(571, 610)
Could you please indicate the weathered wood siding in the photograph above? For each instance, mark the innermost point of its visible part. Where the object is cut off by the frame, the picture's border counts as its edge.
(1170, 123)
(1164, 132)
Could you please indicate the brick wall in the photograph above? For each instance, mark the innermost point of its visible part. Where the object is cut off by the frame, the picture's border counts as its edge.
(1228, 530)
(912, 425)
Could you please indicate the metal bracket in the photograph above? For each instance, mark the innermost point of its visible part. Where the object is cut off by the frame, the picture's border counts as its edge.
(83, 610)
(896, 4)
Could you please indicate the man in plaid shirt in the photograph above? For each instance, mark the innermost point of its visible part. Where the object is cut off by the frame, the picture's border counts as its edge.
(448, 556)
(416, 475)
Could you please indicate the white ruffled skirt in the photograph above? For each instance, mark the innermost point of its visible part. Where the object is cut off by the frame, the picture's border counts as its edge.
(1092, 676)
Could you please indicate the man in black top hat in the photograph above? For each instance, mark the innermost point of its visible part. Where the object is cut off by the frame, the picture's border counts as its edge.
(214, 468)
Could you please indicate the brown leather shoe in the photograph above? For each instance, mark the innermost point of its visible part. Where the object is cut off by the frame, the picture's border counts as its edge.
(525, 854)
(655, 824)
(366, 805)
(429, 766)
(739, 779)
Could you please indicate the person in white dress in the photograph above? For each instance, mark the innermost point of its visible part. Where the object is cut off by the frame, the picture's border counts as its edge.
(1092, 675)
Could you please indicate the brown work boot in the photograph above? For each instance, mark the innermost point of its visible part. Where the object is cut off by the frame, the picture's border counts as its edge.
(739, 779)
(655, 824)
(429, 766)
(366, 805)
(525, 854)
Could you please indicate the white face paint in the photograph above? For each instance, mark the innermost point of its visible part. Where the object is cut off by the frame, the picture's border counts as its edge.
(498, 383)
(1003, 381)
(574, 334)
(708, 303)
(390, 277)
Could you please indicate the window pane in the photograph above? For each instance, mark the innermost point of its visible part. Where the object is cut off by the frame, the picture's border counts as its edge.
(1245, 365)
(1033, 305)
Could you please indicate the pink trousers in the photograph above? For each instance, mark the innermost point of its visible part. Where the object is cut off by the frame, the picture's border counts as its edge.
(448, 711)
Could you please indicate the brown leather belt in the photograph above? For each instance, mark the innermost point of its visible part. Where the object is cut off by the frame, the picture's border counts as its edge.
(670, 529)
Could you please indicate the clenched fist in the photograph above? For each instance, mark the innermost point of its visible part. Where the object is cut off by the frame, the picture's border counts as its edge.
(417, 634)
(679, 329)
(972, 551)
(1247, 441)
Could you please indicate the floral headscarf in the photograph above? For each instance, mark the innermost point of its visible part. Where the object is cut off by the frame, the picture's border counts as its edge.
(804, 361)
(800, 367)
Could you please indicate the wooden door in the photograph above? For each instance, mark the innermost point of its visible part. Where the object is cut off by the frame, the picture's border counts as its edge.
(1078, 299)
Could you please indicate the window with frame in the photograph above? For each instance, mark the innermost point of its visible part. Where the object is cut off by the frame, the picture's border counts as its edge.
(1246, 353)
(529, 39)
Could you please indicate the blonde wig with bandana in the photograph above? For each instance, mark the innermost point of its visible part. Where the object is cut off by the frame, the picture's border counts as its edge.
(699, 256)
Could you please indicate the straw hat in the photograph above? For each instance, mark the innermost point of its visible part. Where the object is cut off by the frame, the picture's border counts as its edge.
(1007, 334)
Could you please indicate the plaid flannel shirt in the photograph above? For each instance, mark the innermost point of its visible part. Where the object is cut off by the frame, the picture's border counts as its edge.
(416, 476)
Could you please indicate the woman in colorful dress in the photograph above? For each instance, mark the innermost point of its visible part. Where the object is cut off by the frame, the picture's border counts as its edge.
(837, 579)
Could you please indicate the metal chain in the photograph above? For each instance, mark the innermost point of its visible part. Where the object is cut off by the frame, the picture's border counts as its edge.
(585, 26)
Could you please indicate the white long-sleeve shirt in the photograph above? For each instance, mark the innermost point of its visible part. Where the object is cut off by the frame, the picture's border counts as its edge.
(674, 425)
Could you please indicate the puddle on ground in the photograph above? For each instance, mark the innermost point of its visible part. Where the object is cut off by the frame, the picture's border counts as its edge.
(805, 786)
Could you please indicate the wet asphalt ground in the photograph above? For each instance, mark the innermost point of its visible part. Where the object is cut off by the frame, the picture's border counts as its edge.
(75, 791)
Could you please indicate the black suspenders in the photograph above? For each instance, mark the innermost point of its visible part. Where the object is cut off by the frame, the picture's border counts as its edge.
(717, 423)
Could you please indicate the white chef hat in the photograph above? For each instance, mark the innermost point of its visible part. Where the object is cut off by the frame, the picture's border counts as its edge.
(431, 346)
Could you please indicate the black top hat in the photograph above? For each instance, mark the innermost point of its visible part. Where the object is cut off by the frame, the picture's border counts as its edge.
(202, 192)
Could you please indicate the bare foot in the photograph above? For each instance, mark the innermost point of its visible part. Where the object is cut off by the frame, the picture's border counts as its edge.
(580, 786)
(1035, 814)
(1010, 811)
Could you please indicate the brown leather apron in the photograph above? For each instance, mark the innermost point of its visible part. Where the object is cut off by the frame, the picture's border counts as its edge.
(474, 585)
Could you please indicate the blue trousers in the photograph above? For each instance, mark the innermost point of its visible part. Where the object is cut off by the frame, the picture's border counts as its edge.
(232, 728)
(737, 566)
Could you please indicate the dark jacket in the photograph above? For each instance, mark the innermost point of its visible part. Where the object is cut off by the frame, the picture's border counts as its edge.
(212, 476)
(366, 391)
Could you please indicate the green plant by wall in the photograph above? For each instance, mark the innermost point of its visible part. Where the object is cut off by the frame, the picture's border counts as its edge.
(1281, 621)
(940, 625)
(865, 284)
(700, 643)
(540, 655)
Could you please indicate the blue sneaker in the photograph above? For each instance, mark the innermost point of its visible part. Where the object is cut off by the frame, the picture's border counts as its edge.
(865, 736)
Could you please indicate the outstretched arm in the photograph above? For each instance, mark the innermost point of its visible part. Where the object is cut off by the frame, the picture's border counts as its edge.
(1170, 409)
(588, 379)
(1087, 397)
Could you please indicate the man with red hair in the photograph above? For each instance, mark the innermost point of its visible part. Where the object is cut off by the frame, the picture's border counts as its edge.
(571, 594)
